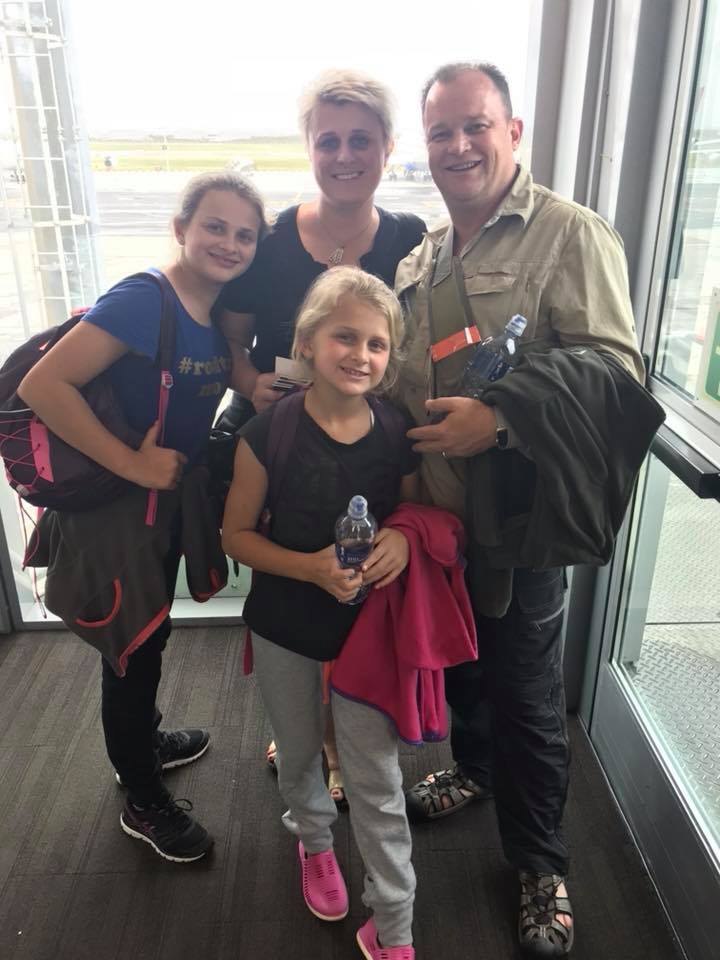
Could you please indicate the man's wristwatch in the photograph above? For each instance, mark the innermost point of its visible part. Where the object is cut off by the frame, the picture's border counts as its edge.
(501, 438)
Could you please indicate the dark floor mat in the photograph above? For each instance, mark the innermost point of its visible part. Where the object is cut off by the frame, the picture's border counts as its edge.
(74, 887)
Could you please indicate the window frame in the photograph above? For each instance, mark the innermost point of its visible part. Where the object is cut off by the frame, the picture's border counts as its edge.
(690, 422)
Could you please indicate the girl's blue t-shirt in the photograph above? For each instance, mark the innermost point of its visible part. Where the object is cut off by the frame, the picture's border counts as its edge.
(130, 311)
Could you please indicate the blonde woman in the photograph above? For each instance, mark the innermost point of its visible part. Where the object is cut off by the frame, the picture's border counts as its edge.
(346, 118)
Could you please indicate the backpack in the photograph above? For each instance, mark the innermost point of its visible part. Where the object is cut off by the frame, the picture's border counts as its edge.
(42, 468)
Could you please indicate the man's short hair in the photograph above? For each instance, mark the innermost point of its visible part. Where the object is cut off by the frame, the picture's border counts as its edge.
(450, 71)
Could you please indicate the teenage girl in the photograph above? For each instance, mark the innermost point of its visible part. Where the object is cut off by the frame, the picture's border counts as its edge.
(220, 221)
(348, 329)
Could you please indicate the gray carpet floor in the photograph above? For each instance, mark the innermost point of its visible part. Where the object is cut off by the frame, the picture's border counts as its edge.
(74, 887)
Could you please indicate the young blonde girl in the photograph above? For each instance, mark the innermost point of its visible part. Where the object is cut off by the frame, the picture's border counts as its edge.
(348, 329)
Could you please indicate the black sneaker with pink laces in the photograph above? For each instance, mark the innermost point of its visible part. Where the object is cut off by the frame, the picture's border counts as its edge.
(168, 827)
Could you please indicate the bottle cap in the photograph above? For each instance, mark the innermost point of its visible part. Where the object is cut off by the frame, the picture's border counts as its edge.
(516, 325)
(358, 508)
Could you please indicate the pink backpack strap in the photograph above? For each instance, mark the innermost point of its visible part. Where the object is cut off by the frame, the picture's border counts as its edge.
(165, 355)
(248, 661)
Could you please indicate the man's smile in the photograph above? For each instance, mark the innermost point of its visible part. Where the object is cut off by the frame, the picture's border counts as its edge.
(462, 167)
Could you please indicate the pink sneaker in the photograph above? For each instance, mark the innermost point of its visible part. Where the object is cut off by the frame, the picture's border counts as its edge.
(323, 885)
(367, 939)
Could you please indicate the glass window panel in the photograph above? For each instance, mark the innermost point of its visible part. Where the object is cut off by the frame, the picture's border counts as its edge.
(149, 129)
(668, 647)
(689, 340)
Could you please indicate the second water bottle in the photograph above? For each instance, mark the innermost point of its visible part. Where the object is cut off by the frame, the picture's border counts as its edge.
(355, 533)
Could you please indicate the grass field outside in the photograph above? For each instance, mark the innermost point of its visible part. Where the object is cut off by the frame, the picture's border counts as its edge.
(264, 154)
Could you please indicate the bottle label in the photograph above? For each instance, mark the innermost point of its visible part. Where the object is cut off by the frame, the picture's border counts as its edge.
(499, 372)
(352, 554)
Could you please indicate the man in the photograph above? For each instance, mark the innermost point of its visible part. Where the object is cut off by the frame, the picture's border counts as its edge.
(511, 247)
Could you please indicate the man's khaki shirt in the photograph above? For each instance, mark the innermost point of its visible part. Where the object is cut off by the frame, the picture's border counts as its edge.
(555, 262)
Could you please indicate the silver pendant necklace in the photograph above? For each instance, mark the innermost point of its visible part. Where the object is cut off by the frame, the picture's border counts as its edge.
(337, 255)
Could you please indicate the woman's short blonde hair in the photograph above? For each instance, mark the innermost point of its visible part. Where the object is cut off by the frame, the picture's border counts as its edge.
(348, 86)
(325, 294)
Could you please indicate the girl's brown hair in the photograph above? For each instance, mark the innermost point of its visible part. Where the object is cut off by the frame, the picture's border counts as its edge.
(198, 186)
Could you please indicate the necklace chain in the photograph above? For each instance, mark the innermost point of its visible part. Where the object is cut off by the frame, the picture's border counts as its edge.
(336, 257)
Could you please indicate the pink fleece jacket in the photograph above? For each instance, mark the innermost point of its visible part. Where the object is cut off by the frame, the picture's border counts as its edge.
(408, 632)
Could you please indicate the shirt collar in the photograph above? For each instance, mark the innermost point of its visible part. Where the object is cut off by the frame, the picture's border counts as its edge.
(517, 203)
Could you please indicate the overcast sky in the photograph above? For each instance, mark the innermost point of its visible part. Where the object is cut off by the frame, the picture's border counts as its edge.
(240, 64)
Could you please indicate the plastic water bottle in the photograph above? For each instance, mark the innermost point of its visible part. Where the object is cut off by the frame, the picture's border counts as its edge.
(354, 537)
(492, 358)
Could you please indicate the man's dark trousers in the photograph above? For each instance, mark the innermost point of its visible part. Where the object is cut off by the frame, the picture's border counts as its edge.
(509, 728)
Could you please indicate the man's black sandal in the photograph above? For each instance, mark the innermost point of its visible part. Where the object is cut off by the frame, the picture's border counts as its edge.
(424, 801)
(541, 933)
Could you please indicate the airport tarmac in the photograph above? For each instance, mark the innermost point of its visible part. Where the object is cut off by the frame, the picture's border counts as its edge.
(127, 200)
(134, 211)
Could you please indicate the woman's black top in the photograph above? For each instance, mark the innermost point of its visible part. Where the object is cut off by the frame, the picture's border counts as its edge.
(277, 281)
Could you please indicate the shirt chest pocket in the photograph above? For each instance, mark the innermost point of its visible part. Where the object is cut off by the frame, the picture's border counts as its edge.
(494, 297)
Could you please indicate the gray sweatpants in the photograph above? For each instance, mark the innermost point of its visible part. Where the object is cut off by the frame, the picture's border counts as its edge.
(291, 687)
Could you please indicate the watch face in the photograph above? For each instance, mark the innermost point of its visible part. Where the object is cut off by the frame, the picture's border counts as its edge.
(501, 438)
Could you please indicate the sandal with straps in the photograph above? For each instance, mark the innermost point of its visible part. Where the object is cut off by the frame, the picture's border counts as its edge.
(336, 787)
(541, 933)
(443, 793)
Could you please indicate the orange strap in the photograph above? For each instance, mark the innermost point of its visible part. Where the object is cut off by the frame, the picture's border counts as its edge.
(326, 671)
(453, 343)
